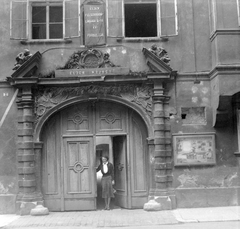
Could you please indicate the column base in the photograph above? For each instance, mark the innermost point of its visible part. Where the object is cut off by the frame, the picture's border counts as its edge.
(28, 201)
(24, 208)
(39, 210)
(160, 203)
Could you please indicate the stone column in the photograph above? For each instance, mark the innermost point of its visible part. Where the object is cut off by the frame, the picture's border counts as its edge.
(28, 196)
(169, 155)
(151, 168)
(162, 152)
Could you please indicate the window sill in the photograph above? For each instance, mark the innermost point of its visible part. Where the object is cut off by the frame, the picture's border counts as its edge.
(53, 41)
(140, 39)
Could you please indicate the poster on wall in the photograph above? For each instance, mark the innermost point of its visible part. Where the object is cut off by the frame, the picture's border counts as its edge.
(194, 149)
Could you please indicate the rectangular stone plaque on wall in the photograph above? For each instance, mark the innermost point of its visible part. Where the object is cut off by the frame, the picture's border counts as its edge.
(94, 24)
(194, 149)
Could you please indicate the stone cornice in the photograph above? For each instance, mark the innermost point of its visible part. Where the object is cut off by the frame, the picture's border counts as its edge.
(224, 69)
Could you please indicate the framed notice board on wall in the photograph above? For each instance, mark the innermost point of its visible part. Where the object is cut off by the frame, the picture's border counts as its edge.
(194, 149)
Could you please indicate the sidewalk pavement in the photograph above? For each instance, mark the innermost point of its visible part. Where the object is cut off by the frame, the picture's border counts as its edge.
(122, 218)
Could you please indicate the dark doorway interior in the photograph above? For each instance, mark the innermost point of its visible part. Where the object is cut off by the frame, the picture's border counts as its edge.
(110, 146)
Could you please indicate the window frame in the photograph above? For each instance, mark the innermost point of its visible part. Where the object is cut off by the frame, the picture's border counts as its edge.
(47, 4)
(28, 20)
(158, 17)
(153, 2)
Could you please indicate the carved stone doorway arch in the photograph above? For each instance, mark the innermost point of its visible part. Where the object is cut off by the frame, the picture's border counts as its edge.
(69, 158)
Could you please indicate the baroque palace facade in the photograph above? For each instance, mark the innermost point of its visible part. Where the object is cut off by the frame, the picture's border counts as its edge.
(153, 84)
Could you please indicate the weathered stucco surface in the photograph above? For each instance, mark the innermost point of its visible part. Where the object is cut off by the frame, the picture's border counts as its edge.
(193, 54)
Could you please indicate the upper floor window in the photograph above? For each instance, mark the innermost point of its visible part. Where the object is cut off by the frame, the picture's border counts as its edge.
(60, 19)
(47, 21)
(44, 20)
(142, 18)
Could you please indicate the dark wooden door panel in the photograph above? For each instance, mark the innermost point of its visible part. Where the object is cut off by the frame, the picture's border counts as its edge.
(68, 160)
(78, 166)
(79, 173)
(51, 177)
(120, 169)
(77, 119)
(138, 158)
(110, 118)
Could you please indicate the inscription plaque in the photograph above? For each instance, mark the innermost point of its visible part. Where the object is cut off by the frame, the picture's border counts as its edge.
(94, 24)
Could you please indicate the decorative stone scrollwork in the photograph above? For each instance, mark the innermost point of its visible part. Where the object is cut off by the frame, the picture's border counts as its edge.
(161, 53)
(47, 98)
(91, 58)
(21, 58)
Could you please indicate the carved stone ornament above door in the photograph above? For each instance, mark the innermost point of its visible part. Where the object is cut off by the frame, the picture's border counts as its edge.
(90, 58)
(48, 98)
(89, 65)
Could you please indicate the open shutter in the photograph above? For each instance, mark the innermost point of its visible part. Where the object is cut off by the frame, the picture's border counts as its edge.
(71, 17)
(115, 18)
(19, 20)
(168, 14)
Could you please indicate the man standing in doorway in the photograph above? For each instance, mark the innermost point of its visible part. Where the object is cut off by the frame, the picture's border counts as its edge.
(107, 180)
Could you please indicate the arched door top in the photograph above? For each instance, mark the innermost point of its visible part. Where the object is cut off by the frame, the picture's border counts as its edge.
(44, 118)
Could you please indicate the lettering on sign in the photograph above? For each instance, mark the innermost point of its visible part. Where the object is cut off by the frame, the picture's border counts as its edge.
(94, 25)
(92, 72)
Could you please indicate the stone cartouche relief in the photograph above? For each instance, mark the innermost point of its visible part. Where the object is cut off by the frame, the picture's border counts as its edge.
(48, 98)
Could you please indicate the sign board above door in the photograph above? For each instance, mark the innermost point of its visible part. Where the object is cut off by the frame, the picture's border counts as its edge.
(91, 72)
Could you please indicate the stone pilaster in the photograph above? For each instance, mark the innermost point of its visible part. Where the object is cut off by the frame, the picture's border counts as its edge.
(28, 195)
(151, 167)
(164, 197)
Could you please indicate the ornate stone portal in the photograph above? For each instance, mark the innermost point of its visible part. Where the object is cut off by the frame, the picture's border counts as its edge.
(147, 93)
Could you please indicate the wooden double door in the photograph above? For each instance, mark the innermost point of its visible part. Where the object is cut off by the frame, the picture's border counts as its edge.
(69, 156)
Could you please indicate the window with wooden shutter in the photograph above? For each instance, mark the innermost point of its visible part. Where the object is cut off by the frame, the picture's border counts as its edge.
(115, 15)
(46, 20)
(71, 18)
(140, 18)
(168, 14)
(150, 18)
(19, 20)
